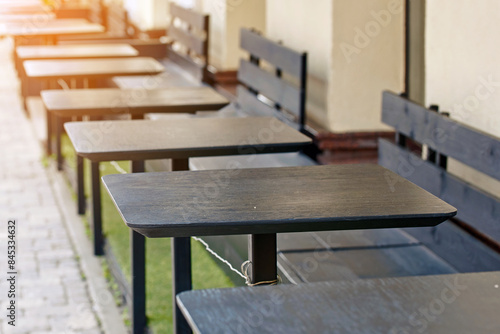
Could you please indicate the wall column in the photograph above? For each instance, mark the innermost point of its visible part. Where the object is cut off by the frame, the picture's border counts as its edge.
(226, 19)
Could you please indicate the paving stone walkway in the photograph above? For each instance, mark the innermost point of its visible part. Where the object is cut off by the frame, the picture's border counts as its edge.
(52, 294)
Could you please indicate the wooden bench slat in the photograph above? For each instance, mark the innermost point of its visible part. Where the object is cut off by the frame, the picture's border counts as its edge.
(280, 56)
(342, 240)
(191, 41)
(253, 106)
(457, 247)
(276, 89)
(195, 19)
(472, 147)
(197, 71)
(317, 266)
(116, 18)
(478, 209)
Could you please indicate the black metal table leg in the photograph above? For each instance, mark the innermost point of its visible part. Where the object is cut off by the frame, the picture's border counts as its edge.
(48, 117)
(138, 256)
(262, 255)
(96, 209)
(80, 187)
(181, 279)
(58, 124)
(181, 265)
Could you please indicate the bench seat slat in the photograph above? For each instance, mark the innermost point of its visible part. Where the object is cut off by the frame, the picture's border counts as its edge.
(350, 264)
(197, 71)
(457, 247)
(477, 208)
(250, 104)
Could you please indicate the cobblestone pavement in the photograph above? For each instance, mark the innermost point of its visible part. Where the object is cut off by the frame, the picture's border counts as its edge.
(52, 295)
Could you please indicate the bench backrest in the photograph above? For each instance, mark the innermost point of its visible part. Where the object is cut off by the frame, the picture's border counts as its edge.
(189, 31)
(116, 20)
(415, 125)
(96, 9)
(273, 80)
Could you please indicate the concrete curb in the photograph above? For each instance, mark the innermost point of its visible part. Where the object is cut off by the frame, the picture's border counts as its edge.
(102, 299)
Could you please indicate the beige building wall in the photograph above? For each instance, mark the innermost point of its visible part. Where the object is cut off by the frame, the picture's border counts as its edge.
(239, 14)
(306, 27)
(356, 50)
(226, 19)
(463, 67)
(368, 57)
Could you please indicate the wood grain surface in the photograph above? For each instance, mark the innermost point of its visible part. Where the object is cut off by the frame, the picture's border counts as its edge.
(79, 102)
(182, 138)
(26, 52)
(274, 200)
(458, 303)
(87, 68)
(51, 28)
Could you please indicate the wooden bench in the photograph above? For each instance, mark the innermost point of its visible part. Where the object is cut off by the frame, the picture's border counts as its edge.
(345, 254)
(449, 248)
(112, 16)
(468, 244)
(464, 302)
(186, 52)
(273, 83)
(119, 30)
(471, 242)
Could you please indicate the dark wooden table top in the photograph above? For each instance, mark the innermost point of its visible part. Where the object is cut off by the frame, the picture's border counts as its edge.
(458, 303)
(182, 138)
(272, 200)
(26, 52)
(73, 68)
(77, 102)
(23, 18)
(51, 28)
(23, 8)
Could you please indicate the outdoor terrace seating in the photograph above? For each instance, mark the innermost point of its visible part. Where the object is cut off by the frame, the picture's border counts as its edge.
(366, 247)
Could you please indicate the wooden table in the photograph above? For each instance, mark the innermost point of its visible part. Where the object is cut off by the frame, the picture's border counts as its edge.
(458, 303)
(26, 18)
(178, 139)
(91, 68)
(116, 50)
(83, 51)
(266, 201)
(50, 29)
(23, 8)
(136, 102)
